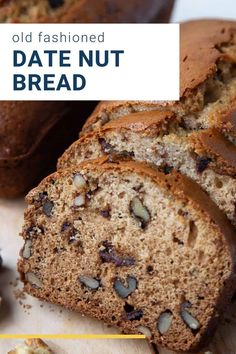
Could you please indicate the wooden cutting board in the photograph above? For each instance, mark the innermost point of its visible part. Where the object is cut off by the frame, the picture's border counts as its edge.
(20, 314)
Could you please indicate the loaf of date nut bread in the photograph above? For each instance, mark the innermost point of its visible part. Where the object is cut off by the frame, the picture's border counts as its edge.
(207, 81)
(158, 138)
(92, 11)
(144, 251)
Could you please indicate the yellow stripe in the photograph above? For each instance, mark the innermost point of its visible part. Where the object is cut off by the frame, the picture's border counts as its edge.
(72, 336)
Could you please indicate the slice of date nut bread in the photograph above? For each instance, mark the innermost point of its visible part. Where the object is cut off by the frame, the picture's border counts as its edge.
(205, 156)
(207, 82)
(144, 251)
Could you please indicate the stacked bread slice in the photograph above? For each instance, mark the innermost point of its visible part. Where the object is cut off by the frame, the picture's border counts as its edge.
(205, 157)
(136, 227)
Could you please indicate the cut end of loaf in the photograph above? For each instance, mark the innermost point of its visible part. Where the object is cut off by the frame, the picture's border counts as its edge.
(130, 251)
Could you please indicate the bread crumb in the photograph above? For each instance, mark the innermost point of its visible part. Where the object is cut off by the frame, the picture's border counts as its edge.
(32, 346)
(19, 294)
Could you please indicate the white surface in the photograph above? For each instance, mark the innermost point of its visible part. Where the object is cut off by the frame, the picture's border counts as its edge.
(190, 9)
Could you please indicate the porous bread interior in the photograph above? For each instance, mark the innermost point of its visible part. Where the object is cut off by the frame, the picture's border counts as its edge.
(198, 109)
(189, 256)
(28, 10)
(213, 98)
(170, 149)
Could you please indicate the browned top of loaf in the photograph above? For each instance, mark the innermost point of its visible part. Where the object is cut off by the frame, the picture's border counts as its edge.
(199, 50)
(149, 123)
(182, 187)
(142, 121)
(105, 108)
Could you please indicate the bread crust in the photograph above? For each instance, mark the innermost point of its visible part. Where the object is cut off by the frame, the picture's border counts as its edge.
(149, 122)
(200, 40)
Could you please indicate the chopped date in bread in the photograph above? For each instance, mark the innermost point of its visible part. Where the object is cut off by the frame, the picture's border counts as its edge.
(124, 154)
(42, 201)
(109, 255)
(66, 226)
(106, 213)
(56, 3)
(167, 169)
(134, 315)
(202, 163)
(106, 147)
(70, 232)
(150, 269)
(34, 231)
